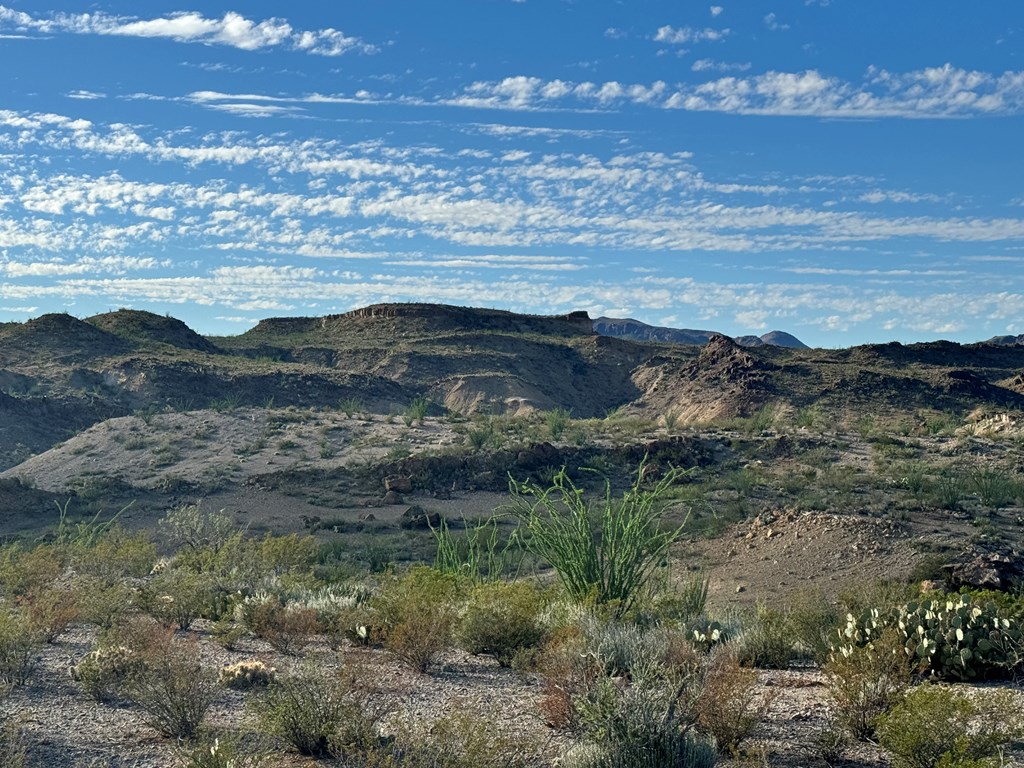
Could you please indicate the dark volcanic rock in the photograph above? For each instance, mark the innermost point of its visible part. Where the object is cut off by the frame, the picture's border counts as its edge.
(416, 518)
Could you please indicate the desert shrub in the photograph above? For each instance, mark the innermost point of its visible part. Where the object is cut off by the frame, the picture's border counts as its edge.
(101, 672)
(995, 486)
(13, 750)
(177, 597)
(289, 629)
(812, 621)
(189, 526)
(937, 726)
(502, 619)
(567, 670)
(729, 707)
(320, 713)
(418, 613)
(103, 603)
(343, 612)
(116, 554)
(684, 603)
(766, 640)
(557, 420)
(26, 570)
(864, 682)
(49, 610)
(243, 675)
(643, 723)
(951, 637)
(457, 740)
(171, 686)
(18, 647)
(605, 552)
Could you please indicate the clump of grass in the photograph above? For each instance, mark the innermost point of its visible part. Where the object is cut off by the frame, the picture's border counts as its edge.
(416, 411)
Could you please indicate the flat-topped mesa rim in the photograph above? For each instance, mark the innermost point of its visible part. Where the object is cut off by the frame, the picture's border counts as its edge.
(431, 318)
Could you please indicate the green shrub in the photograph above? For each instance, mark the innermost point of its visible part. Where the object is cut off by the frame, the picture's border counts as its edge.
(458, 740)
(416, 411)
(189, 526)
(643, 723)
(50, 610)
(171, 686)
(606, 554)
(103, 603)
(178, 597)
(116, 554)
(319, 713)
(418, 614)
(23, 571)
(952, 637)
(936, 726)
(557, 420)
(18, 647)
(864, 682)
(766, 640)
(685, 603)
(996, 487)
(502, 619)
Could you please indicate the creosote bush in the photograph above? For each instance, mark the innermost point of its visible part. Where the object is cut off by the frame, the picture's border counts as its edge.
(418, 614)
(937, 726)
(502, 619)
(18, 647)
(729, 707)
(319, 713)
(864, 682)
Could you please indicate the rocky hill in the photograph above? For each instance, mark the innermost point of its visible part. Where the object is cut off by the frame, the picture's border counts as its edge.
(60, 374)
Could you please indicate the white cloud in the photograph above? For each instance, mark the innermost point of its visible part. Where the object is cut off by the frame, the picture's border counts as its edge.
(772, 22)
(716, 10)
(705, 65)
(938, 92)
(678, 35)
(86, 95)
(233, 29)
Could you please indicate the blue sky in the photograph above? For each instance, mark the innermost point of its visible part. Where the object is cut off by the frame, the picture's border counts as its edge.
(845, 170)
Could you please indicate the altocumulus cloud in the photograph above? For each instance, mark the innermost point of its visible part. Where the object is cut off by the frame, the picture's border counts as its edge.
(233, 29)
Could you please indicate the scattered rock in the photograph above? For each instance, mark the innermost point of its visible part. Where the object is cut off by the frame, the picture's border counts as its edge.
(391, 498)
(398, 483)
(417, 518)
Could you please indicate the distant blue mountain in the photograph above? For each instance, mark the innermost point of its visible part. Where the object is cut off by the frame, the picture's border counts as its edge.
(634, 329)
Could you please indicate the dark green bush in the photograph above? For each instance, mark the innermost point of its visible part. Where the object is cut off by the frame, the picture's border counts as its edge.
(418, 612)
(938, 726)
(502, 619)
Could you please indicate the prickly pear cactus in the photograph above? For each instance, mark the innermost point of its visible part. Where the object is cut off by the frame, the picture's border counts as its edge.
(950, 638)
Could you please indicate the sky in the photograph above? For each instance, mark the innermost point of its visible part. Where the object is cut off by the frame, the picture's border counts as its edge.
(849, 171)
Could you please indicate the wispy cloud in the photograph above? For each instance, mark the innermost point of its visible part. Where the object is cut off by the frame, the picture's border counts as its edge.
(772, 22)
(233, 29)
(710, 65)
(680, 35)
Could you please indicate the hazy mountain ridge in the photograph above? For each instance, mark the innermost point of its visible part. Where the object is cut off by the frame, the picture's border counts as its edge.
(638, 331)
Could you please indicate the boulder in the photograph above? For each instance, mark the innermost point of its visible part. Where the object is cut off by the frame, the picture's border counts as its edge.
(416, 518)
